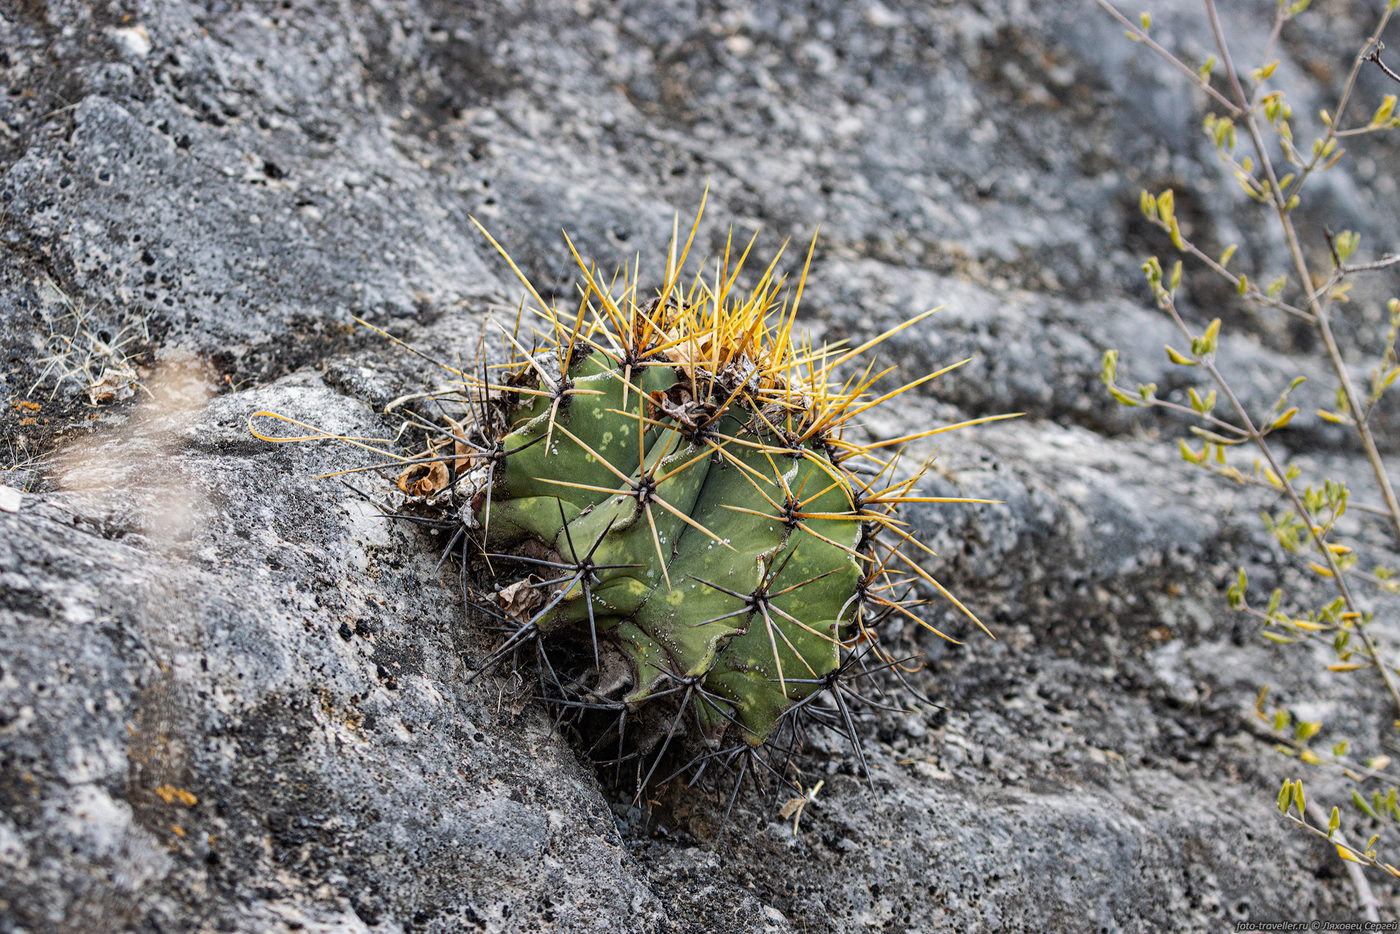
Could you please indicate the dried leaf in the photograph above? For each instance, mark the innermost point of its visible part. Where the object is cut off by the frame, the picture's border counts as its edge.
(460, 448)
(522, 599)
(421, 480)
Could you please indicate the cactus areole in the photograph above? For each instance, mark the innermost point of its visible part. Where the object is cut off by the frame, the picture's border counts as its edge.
(662, 480)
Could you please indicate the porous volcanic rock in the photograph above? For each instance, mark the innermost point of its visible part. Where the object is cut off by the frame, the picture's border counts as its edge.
(234, 697)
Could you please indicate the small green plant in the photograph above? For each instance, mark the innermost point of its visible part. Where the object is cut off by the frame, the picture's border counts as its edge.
(672, 520)
(1272, 167)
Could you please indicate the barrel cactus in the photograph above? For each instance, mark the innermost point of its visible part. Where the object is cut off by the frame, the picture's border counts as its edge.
(665, 480)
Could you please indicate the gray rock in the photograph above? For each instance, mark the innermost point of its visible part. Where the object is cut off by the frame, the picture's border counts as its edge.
(236, 697)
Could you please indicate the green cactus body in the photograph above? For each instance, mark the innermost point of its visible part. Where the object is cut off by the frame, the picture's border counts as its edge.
(706, 571)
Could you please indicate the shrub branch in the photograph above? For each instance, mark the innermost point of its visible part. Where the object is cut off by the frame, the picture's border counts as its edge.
(1317, 305)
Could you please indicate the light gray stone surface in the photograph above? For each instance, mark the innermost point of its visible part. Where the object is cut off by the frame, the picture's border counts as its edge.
(234, 697)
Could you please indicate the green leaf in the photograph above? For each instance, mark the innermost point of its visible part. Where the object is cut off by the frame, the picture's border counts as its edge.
(1292, 385)
(1285, 795)
(1284, 419)
(1148, 205)
(1209, 339)
(1166, 205)
(1179, 358)
(1383, 112)
(1346, 243)
(1122, 397)
(1334, 821)
(1298, 798)
(1221, 130)
(1109, 372)
(1236, 593)
(1152, 271)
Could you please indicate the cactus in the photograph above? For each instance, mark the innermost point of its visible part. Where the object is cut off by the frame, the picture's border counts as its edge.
(665, 485)
(672, 476)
